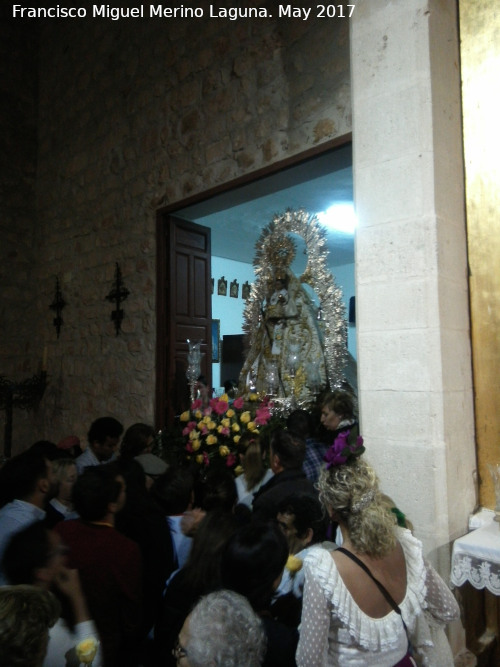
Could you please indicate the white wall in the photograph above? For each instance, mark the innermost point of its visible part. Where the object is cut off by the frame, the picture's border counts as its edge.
(225, 308)
(344, 277)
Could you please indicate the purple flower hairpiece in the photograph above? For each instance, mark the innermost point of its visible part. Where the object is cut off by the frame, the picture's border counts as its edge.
(343, 451)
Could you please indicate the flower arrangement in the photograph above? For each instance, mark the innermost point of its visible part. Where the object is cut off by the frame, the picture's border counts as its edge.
(213, 431)
(344, 449)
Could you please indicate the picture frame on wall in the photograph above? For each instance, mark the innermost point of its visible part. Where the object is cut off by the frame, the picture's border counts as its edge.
(222, 286)
(215, 341)
(245, 290)
(234, 289)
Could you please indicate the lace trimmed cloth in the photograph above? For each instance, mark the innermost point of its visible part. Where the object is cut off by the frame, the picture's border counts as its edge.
(335, 631)
(476, 558)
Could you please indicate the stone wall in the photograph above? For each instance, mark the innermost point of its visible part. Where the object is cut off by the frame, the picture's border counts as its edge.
(135, 115)
(18, 83)
(18, 252)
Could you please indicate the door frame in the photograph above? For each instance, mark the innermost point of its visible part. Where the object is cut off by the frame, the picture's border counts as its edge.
(162, 216)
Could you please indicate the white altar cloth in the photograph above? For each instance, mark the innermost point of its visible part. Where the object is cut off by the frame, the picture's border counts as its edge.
(476, 558)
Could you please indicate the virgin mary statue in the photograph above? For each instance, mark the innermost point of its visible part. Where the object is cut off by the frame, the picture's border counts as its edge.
(288, 332)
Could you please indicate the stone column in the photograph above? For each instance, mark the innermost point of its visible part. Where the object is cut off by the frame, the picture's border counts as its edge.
(414, 359)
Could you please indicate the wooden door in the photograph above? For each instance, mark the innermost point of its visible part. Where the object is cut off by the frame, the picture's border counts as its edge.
(184, 311)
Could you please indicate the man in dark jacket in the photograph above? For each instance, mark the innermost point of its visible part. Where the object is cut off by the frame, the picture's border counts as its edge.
(287, 454)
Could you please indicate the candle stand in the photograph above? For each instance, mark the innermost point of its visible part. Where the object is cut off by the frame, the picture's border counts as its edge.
(26, 395)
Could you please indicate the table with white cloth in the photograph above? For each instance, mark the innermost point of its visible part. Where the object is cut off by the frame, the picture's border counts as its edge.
(475, 569)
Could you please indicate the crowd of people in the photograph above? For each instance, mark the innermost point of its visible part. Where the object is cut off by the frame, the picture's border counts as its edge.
(110, 557)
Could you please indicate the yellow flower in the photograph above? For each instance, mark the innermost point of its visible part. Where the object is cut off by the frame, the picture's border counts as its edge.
(86, 650)
(193, 435)
(207, 419)
(226, 423)
(195, 445)
(293, 563)
(185, 416)
(236, 439)
(235, 428)
(224, 398)
(253, 397)
(245, 417)
(199, 458)
(251, 426)
(211, 425)
(198, 414)
(223, 450)
(230, 413)
(238, 470)
(200, 426)
(211, 439)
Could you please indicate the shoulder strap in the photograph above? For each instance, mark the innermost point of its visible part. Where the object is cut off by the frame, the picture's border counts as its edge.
(382, 588)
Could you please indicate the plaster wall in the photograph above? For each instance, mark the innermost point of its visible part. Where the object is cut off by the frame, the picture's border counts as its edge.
(414, 360)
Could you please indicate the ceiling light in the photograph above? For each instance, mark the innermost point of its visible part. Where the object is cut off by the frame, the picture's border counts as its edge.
(339, 217)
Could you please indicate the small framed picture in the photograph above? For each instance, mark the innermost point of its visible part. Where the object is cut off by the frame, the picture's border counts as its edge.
(215, 341)
(222, 286)
(245, 290)
(234, 289)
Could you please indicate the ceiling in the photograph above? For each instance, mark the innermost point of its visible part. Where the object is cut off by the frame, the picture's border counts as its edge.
(237, 217)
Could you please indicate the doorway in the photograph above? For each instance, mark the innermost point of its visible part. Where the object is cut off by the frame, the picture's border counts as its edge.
(236, 218)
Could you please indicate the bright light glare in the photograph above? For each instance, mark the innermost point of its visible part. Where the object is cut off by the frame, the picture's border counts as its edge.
(340, 217)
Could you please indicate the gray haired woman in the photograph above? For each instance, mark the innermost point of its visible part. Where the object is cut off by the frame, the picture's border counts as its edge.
(223, 631)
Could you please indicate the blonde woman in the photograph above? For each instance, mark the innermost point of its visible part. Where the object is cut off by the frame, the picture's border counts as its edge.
(255, 472)
(61, 506)
(364, 602)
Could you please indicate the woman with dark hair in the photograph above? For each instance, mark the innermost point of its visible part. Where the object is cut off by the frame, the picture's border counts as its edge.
(142, 520)
(253, 565)
(138, 439)
(366, 601)
(200, 575)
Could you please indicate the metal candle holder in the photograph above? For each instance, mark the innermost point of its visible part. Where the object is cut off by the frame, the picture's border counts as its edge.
(117, 295)
(26, 394)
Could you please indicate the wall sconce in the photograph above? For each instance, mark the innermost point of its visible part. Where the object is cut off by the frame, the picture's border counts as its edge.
(118, 294)
(57, 305)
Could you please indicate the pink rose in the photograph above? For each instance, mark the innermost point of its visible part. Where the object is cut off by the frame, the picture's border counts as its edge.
(238, 403)
(220, 407)
(262, 416)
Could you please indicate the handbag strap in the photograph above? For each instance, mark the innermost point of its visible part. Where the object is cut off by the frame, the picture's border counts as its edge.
(381, 587)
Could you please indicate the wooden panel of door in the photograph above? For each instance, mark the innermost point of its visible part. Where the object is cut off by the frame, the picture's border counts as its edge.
(184, 310)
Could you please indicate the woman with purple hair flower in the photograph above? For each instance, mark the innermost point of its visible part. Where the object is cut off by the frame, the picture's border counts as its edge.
(374, 600)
